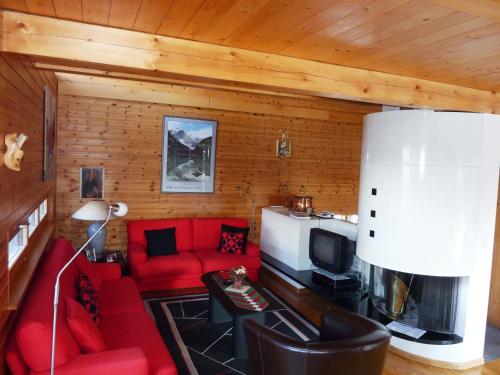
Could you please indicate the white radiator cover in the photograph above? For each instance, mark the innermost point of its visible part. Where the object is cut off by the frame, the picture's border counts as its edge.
(436, 179)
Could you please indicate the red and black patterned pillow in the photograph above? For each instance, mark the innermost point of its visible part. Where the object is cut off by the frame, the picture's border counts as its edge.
(233, 240)
(87, 296)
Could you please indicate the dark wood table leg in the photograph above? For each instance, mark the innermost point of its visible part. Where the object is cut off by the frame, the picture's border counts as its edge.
(240, 349)
(218, 313)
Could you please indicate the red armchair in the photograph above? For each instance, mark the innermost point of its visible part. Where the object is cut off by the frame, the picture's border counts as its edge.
(197, 242)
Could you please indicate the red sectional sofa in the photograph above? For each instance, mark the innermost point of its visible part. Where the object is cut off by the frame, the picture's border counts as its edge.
(197, 242)
(133, 343)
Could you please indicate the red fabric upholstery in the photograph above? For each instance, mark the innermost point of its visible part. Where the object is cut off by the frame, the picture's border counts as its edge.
(14, 359)
(108, 271)
(119, 297)
(206, 231)
(184, 263)
(215, 261)
(33, 333)
(83, 328)
(130, 361)
(29, 344)
(85, 267)
(183, 231)
(138, 329)
(185, 270)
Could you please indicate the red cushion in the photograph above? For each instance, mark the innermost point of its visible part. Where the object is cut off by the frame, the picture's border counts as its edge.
(138, 330)
(184, 263)
(83, 328)
(212, 260)
(183, 231)
(119, 297)
(206, 231)
(87, 296)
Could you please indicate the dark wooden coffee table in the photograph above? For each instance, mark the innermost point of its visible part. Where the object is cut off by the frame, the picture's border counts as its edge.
(225, 307)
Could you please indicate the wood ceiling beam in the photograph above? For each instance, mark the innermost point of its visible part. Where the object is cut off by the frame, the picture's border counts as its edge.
(489, 9)
(112, 88)
(155, 79)
(73, 41)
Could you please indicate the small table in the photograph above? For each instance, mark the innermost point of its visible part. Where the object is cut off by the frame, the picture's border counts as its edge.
(118, 258)
(226, 306)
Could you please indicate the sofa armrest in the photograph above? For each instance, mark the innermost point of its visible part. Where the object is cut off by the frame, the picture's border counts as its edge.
(122, 361)
(136, 255)
(253, 249)
(108, 271)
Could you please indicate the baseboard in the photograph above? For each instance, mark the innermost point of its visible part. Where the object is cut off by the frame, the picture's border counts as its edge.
(437, 363)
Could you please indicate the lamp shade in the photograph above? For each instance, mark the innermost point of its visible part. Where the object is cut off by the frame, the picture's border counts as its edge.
(119, 209)
(93, 210)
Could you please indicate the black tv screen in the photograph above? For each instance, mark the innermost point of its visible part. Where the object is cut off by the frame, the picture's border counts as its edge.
(330, 251)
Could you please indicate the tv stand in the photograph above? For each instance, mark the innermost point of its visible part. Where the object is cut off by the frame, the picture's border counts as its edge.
(335, 282)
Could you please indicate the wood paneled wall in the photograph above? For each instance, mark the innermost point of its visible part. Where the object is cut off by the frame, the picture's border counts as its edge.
(494, 304)
(21, 110)
(125, 137)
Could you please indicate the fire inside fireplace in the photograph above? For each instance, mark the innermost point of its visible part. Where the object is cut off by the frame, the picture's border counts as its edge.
(426, 302)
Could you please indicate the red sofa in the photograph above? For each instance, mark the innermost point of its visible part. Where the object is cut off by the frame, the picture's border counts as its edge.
(197, 242)
(133, 343)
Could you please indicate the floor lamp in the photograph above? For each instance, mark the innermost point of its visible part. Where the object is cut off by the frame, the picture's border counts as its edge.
(117, 210)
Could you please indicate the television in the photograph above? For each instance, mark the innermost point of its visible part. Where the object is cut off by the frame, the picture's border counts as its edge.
(331, 251)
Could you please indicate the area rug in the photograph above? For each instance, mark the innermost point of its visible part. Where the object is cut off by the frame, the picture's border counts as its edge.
(200, 347)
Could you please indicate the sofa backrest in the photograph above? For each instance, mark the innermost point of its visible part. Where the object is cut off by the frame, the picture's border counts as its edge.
(33, 330)
(183, 231)
(207, 230)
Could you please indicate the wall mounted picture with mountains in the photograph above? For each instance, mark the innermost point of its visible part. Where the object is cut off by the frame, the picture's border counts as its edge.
(188, 164)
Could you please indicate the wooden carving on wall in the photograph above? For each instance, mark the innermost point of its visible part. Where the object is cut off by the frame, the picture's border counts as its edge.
(14, 154)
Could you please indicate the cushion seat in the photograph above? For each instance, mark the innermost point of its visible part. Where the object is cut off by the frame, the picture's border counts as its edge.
(119, 297)
(138, 330)
(213, 260)
(184, 263)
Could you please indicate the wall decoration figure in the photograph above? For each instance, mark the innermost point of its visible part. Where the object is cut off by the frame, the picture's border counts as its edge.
(92, 183)
(49, 134)
(283, 145)
(14, 153)
(188, 160)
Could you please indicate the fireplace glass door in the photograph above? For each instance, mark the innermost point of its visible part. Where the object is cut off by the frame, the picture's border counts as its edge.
(426, 302)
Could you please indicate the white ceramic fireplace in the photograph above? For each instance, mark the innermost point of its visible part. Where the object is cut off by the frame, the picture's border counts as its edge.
(428, 191)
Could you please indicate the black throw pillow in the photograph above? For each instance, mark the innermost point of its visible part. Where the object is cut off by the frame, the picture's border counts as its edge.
(160, 242)
(233, 240)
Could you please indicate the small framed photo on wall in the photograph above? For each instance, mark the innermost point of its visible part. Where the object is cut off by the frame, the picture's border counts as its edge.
(92, 183)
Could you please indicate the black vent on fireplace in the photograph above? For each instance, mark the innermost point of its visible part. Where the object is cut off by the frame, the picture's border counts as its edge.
(439, 303)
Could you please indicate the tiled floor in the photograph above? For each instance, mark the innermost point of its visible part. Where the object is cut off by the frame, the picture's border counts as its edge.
(492, 343)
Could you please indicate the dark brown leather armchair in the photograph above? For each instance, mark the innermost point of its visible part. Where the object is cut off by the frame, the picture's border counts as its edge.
(349, 344)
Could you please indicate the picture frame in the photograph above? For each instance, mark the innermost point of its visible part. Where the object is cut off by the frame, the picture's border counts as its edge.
(49, 133)
(91, 183)
(188, 155)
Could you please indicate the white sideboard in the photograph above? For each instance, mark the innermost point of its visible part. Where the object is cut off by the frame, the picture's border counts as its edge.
(286, 238)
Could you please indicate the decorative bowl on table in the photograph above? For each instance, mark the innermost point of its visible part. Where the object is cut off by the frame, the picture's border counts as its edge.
(238, 274)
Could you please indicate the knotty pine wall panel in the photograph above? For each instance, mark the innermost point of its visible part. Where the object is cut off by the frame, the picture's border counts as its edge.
(125, 138)
(494, 304)
(21, 111)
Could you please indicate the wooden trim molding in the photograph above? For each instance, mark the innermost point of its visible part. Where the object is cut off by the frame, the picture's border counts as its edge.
(92, 44)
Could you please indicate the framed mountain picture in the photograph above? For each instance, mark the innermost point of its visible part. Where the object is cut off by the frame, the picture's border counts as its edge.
(188, 155)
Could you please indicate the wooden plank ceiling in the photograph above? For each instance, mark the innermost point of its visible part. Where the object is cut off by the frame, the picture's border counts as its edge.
(450, 41)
